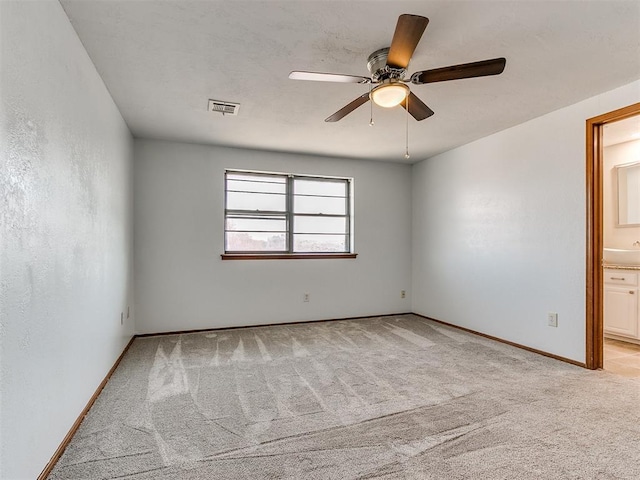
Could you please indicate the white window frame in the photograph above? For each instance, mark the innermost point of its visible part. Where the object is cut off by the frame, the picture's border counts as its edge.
(289, 216)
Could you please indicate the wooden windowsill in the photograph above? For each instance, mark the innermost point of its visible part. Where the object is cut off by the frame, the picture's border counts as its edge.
(285, 256)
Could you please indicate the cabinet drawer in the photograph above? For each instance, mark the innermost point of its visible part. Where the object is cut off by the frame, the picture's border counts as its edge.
(620, 277)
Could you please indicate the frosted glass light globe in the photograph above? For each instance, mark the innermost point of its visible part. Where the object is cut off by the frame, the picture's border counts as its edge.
(389, 94)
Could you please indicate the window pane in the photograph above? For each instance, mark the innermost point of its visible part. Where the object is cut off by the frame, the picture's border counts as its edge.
(319, 243)
(327, 205)
(256, 201)
(336, 188)
(303, 224)
(257, 224)
(266, 187)
(255, 242)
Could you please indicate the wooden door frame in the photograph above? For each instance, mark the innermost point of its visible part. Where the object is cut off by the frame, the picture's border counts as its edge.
(595, 173)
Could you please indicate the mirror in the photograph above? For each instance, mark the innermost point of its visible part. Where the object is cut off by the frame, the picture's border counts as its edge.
(628, 194)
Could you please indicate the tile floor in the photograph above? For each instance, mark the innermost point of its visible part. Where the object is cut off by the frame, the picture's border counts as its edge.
(622, 358)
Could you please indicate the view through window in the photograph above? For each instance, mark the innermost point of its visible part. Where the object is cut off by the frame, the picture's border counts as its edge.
(282, 213)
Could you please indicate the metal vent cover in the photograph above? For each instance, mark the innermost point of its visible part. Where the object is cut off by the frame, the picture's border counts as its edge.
(225, 108)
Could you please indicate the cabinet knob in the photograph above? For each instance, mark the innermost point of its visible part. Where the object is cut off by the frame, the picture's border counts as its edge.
(617, 278)
(631, 292)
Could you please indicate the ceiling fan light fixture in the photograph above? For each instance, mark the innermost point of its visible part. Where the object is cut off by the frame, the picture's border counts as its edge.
(389, 95)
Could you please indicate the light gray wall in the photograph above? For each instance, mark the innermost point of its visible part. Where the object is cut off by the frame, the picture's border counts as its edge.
(499, 230)
(65, 232)
(181, 282)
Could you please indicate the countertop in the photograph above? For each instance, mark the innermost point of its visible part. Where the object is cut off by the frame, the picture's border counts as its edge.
(621, 267)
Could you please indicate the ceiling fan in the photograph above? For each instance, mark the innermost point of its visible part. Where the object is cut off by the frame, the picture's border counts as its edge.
(388, 67)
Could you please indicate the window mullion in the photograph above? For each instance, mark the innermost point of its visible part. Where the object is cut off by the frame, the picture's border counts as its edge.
(290, 214)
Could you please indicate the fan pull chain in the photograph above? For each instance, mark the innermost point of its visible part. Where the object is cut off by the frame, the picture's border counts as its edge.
(371, 102)
(406, 152)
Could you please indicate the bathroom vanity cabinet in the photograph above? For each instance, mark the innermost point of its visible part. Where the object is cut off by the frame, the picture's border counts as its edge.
(621, 307)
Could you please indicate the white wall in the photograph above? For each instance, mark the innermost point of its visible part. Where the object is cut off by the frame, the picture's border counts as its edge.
(614, 236)
(65, 232)
(499, 230)
(181, 282)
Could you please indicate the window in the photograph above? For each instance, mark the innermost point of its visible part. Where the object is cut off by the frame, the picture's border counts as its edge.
(268, 213)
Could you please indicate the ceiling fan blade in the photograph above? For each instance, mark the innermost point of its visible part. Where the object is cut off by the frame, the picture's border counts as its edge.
(347, 109)
(328, 77)
(495, 66)
(417, 108)
(409, 30)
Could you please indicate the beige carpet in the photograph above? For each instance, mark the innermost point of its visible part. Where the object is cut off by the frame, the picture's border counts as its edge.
(389, 397)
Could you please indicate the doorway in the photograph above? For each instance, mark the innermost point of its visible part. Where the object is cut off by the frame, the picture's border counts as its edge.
(595, 229)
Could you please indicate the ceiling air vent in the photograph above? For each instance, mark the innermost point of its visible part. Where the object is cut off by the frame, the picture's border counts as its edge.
(225, 108)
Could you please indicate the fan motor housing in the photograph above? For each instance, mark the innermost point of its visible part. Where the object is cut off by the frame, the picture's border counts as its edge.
(380, 71)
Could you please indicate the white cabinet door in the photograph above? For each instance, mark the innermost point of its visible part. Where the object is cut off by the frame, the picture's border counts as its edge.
(621, 310)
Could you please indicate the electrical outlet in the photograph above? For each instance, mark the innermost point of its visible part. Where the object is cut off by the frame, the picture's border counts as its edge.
(403, 294)
(305, 297)
(552, 319)
(121, 318)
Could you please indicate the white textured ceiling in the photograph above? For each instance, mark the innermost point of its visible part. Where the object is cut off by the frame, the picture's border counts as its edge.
(162, 61)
